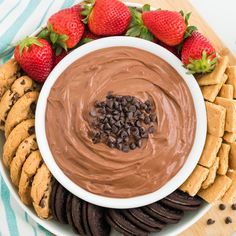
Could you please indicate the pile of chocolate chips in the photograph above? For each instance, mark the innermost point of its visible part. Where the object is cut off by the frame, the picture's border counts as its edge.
(122, 122)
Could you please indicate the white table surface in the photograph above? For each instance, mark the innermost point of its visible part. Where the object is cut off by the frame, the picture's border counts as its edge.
(221, 16)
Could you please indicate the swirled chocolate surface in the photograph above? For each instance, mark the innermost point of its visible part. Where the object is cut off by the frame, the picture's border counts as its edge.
(103, 170)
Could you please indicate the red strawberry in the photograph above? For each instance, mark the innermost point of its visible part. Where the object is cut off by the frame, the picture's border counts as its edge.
(168, 26)
(107, 17)
(35, 57)
(65, 27)
(58, 58)
(198, 54)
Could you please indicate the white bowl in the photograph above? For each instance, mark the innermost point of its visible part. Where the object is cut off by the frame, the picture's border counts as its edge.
(173, 183)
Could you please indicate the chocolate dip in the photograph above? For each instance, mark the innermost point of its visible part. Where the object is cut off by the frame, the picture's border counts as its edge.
(103, 170)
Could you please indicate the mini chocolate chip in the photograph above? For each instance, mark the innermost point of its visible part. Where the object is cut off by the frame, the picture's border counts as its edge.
(111, 145)
(143, 106)
(153, 117)
(148, 103)
(110, 95)
(132, 108)
(107, 126)
(22, 82)
(31, 130)
(112, 121)
(134, 131)
(129, 98)
(132, 146)
(142, 130)
(228, 220)
(138, 123)
(125, 148)
(210, 221)
(110, 104)
(222, 207)
(148, 109)
(114, 129)
(119, 146)
(147, 120)
(116, 117)
(111, 139)
(233, 206)
(141, 117)
(42, 203)
(139, 143)
(123, 102)
(118, 124)
(93, 113)
(119, 140)
(123, 134)
(97, 104)
(151, 129)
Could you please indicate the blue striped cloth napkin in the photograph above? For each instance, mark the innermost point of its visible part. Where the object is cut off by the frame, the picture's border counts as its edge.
(19, 18)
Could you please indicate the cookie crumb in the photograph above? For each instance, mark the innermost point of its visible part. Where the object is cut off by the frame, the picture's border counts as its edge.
(210, 222)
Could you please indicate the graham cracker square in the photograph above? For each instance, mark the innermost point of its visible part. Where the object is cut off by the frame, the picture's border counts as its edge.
(211, 175)
(227, 91)
(217, 190)
(224, 159)
(215, 119)
(211, 91)
(231, 72)
(210, 150)
(194, 182)
(230, 106)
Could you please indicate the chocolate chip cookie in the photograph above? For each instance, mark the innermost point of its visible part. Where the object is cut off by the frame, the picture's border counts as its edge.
(9, 72)
(18, 134)
(23, 151)
(29, 170)
(23, 109)
(41, 192)
(18, 89)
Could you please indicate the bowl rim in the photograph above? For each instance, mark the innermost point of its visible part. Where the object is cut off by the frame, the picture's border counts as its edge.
(174, 182)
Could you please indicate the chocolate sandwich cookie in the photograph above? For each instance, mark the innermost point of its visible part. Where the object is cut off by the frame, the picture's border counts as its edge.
(77, 215)
(163, 213)
(178, 206)
(182, 198)
(97, 221)
(85, 218)
(121, 224)
(60, 203)
(69, 212)
(138, 217)
(55, 185)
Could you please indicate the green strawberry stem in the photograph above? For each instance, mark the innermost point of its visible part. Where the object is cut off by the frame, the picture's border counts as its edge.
(27, 42)
(204, 65)
(87, 8)
(57, 40)
(137, 27)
